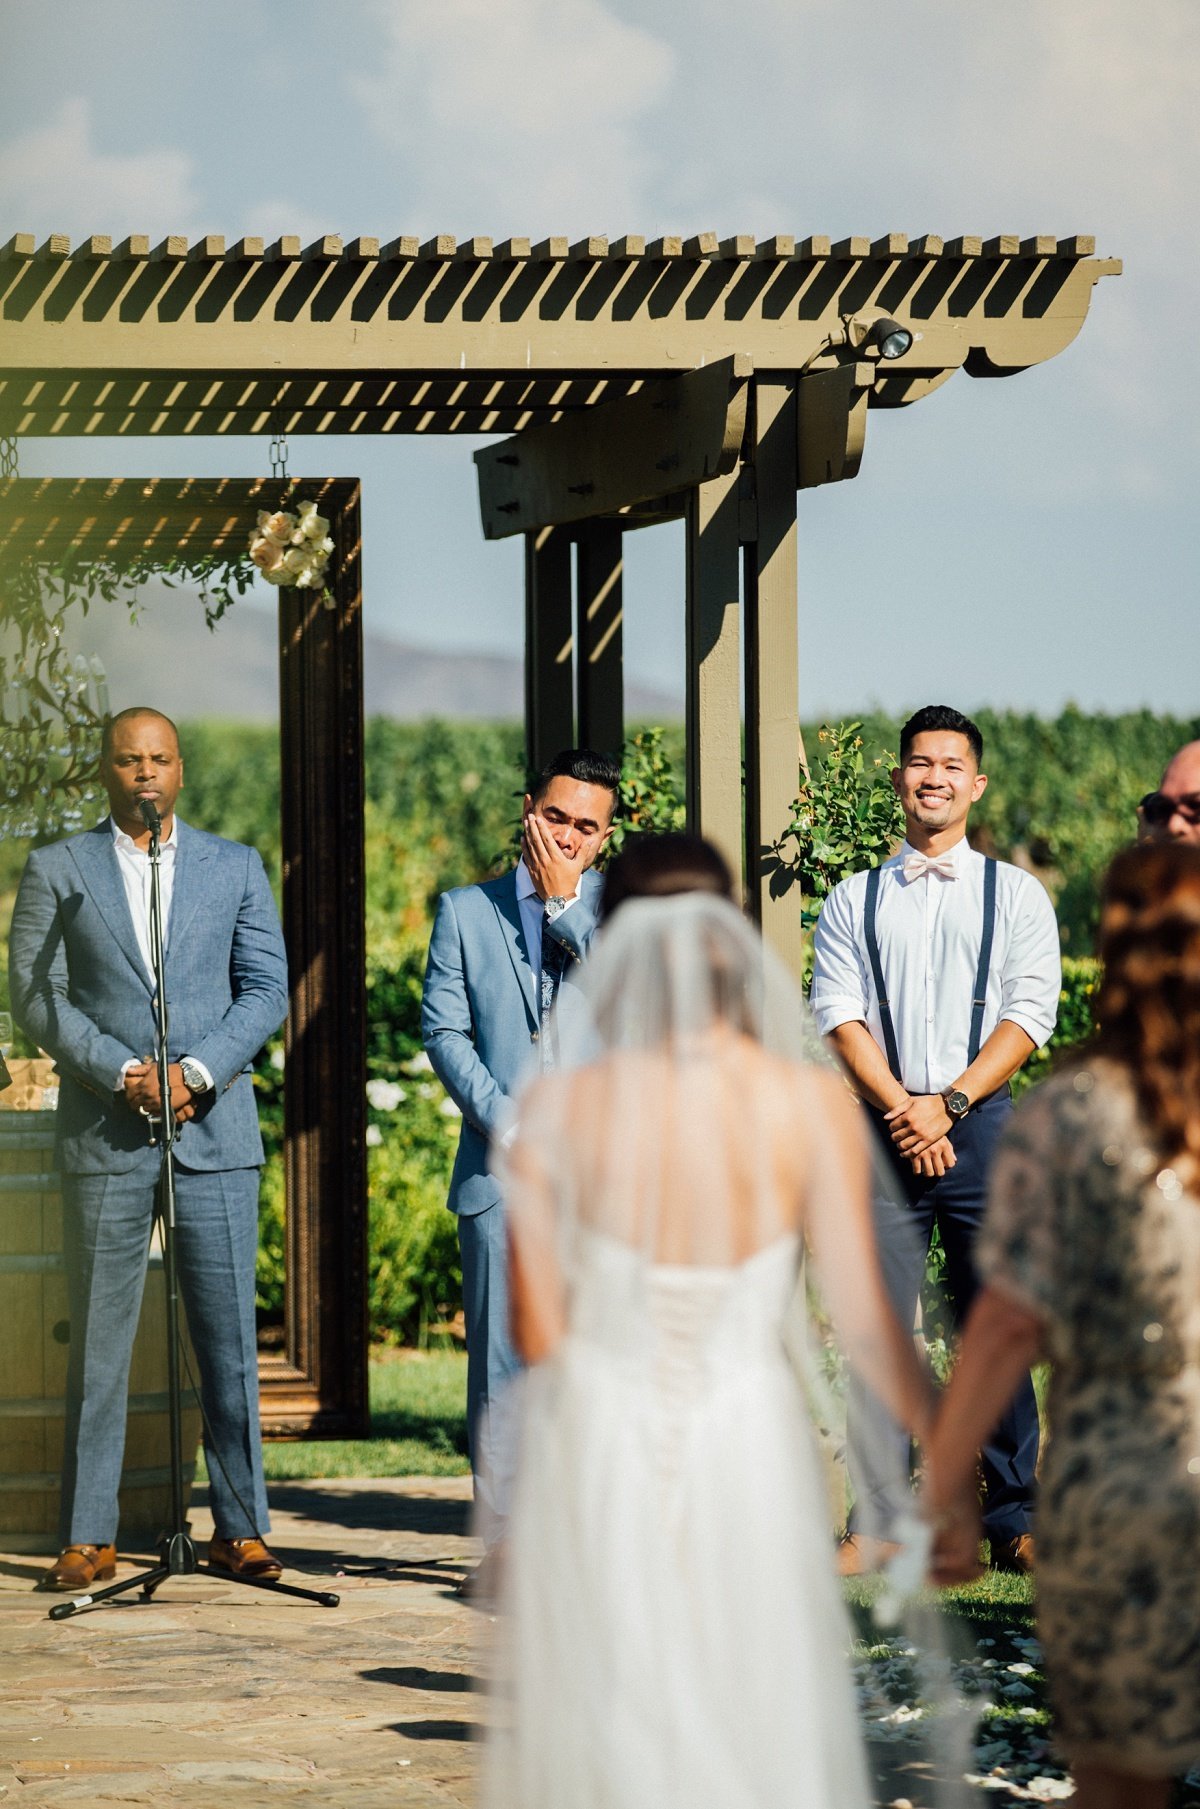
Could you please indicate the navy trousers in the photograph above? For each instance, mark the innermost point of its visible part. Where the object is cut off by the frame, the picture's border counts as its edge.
(493, 1367)
(107, 1220)
(878, 1450)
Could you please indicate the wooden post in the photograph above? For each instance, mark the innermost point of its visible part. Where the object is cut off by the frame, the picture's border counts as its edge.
(600, 665)
(772, 662)
(321, 1388)
(714, 754)
(549, 644)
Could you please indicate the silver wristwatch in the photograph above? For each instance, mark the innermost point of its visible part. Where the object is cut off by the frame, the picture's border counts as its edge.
(194, 1077)
(555, 907)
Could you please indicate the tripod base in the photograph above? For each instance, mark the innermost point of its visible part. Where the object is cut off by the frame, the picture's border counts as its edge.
(177, 1558)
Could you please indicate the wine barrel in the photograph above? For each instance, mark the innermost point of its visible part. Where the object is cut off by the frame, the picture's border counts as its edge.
(34, 1335)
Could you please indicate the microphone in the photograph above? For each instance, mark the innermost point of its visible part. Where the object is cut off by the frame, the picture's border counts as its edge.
(149, 816)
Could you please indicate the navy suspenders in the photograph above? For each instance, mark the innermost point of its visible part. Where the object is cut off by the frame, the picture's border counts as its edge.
(979, 998)
(985, 959)
(885, 1010)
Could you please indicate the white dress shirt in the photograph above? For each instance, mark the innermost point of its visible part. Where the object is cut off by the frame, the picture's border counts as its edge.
(929, 931)
(133, 864)
(533, 916)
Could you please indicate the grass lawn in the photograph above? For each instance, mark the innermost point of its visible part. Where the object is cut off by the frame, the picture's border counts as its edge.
(418, 1425)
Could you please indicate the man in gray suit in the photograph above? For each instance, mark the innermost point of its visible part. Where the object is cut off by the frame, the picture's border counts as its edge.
(497, 958)
(82, 987)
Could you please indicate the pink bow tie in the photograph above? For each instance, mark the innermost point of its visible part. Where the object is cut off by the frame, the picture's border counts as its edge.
(916, 866)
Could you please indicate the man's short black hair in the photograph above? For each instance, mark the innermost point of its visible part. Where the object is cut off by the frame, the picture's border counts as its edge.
(110, 723)
(584, 765)
(940, 718)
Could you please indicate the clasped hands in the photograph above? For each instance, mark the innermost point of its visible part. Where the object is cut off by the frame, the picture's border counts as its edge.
(957, 1529)
(554, 874)
(142, 1094)
(920, 1129)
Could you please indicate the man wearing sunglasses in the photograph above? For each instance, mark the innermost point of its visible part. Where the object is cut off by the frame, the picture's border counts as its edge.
(1172, 813)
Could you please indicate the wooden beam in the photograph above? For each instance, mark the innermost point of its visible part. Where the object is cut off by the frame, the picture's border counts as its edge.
(670, 435)
(417, 311)
(714, 755)
(549, 647)
(772, 661)
(831, 423)
(600, 681)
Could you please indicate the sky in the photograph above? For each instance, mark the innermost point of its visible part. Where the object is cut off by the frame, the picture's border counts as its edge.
(1019, 544)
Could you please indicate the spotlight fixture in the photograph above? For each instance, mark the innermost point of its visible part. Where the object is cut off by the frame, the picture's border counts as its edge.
(873, 331)
(869, 332)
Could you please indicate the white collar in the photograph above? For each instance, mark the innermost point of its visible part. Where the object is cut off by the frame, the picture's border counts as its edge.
(126, 842)
(960, 853)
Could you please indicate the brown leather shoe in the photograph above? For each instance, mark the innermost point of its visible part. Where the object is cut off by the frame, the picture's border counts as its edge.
(859, 1556)
(1013, 1554)
(244, 1558)
(79, 1566)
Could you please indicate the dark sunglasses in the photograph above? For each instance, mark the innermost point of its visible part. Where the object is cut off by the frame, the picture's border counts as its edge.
(1158, 809)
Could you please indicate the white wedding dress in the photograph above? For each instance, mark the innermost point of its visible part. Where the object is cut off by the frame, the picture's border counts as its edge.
(675, 1634)
(672, 1634)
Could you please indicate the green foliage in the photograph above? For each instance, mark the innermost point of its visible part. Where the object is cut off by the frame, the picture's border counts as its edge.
(414, 1269)
(54, 704)
(1076, 1020)
(846, 817)
(652, 791)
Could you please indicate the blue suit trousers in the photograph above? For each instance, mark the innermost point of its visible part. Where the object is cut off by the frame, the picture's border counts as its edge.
(107, 1223)
(879, 1451)
(493, 1368)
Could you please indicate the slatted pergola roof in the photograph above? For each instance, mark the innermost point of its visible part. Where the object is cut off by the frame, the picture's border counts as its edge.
(468, 336)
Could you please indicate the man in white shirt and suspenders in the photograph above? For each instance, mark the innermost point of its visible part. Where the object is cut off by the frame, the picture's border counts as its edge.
(936, 976)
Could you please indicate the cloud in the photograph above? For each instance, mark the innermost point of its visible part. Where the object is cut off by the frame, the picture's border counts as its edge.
(55, 178)
(533, 116)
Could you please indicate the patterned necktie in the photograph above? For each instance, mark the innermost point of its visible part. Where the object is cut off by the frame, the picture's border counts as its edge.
(916, 866)
(553, 958)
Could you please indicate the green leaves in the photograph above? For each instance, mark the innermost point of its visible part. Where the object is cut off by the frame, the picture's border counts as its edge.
(53, 703)
(844, 817)
(652, 791)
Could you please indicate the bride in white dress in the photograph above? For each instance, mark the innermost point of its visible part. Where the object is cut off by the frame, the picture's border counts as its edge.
(672, 1633)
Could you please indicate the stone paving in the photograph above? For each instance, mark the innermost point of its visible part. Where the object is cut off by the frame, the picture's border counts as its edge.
(212, 1694)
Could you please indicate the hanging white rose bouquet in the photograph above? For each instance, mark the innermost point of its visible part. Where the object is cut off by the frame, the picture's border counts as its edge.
(292, 547)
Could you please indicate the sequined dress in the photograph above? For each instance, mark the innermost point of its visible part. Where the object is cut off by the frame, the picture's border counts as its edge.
(1087, 1226)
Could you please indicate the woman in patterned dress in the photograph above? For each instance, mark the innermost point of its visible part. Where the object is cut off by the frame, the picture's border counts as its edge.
(1091, 1258)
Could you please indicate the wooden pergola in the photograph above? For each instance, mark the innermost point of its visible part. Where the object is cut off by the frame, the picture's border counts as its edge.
(704, 379)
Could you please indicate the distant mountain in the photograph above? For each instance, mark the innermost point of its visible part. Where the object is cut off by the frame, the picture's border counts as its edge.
(169, 658)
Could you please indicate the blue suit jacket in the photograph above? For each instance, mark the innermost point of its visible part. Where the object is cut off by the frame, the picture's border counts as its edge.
(80, 989)
(479, 1013)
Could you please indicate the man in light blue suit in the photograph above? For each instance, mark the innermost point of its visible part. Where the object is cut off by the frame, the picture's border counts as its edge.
(498, 956)
(82, 987)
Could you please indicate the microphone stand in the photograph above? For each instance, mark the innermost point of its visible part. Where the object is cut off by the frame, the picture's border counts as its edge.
(177, 1552)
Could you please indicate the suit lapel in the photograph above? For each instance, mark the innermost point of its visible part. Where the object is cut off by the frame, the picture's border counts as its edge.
(508, 916)
(96, 859)
(190, 855)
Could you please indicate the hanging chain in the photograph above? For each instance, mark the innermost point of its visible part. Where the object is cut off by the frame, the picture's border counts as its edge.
(8, 455)
(279, 448)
